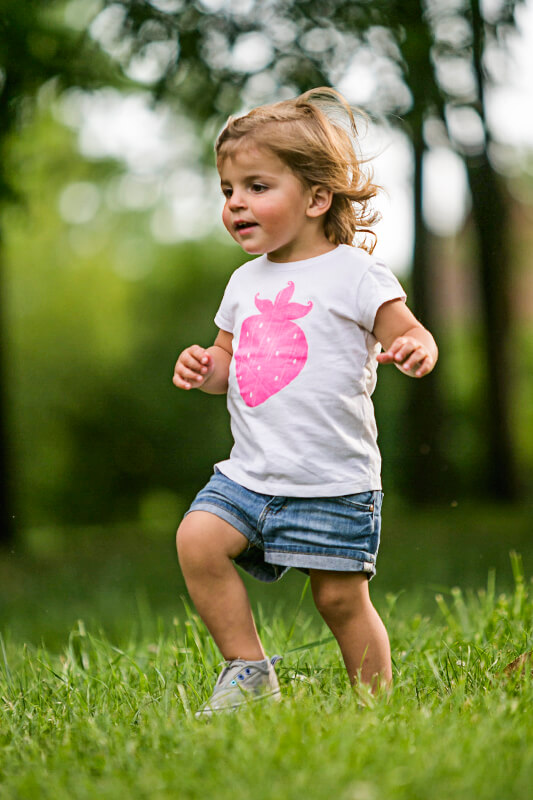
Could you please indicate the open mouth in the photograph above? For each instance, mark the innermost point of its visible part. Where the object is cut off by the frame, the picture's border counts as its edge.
(244, 226)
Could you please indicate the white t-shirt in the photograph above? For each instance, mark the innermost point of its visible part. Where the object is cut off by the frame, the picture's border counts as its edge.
(303, 371)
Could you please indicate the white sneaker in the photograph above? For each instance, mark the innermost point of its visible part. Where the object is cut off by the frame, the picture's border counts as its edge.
(241, 682)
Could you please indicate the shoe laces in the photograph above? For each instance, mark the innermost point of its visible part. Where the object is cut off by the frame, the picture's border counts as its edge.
(245, 672)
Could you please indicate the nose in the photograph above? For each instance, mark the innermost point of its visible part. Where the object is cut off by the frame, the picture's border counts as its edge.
(236, 200)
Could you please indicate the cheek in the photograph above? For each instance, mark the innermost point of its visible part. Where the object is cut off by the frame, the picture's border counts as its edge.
(268, 211)
(226, 219)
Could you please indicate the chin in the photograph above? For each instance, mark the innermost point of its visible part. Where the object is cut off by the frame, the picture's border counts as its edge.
(253, 250)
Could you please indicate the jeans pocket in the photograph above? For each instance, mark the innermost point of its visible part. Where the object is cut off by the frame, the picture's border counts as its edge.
(363, 501)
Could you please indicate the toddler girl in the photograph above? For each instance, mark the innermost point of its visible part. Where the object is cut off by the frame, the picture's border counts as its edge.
(301, 330)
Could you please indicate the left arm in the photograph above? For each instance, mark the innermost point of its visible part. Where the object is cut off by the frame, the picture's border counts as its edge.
(407, 344)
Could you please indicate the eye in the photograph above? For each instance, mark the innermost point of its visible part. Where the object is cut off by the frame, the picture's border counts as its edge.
(258, 188)
(226, 191)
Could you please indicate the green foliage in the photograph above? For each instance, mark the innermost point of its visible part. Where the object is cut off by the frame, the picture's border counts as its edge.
(37, 46)
(121, 579)
(431, 62)
(97, 315)
(103, 718)
(309, 43)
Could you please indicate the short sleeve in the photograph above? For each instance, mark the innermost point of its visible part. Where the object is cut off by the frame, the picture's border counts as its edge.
(377, 286)
(225, 316)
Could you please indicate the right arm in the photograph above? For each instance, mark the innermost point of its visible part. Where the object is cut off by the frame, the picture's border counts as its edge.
(208, 370)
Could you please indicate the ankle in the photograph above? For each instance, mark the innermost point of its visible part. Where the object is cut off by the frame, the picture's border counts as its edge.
(250, 656)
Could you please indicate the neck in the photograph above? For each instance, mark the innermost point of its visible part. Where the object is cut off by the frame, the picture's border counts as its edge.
(310, 249)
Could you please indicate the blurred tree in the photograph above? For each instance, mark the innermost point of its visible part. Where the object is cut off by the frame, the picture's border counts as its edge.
(36, 47)
(432, 62)
(491, 209)
(98, 312)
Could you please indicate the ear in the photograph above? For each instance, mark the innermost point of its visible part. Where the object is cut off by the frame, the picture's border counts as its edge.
(320, 201)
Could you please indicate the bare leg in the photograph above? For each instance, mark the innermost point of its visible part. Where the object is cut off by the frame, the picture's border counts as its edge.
(206, 546)
(344, 602)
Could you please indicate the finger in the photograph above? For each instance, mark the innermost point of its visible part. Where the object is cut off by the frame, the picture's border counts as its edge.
(191, 361)
(192, 368)
(188, 358)
(385, 358)
(396, 352)
(415, 359)
(190, 375)
(180, 383)
(425, 367)
(198, 353)
(185, 378)
(405, 351)
(418, 369)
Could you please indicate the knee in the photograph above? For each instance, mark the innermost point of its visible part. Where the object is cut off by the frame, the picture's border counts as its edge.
(332, 602)
(206, 543)
(191, 551)
(342, 599)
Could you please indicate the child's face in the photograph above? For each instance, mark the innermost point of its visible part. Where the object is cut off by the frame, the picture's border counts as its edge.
(266, 205)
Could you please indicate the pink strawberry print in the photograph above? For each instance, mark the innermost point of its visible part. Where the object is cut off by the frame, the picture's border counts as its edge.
(272, 350)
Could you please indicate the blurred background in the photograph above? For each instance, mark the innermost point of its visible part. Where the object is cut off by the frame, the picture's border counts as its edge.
(113, 258)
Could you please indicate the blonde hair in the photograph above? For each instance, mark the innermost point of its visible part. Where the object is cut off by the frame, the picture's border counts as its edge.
(315, 136)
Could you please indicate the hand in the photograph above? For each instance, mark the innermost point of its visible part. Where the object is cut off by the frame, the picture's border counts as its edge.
(193, 367)
(409, 355)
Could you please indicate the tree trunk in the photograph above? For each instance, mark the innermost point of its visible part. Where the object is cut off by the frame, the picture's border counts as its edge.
(423, 473)
(6, 518)
(490, 212)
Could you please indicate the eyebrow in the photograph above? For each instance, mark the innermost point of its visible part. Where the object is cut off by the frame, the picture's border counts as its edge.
(259, 177)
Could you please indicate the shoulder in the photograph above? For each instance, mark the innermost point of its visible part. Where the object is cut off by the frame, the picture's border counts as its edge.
(359, 264)
(247, 270)
(355, 258)
(252, 266)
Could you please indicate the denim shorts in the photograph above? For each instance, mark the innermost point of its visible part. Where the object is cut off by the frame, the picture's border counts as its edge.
(332, 533)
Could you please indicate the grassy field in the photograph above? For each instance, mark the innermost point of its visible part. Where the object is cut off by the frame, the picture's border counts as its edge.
(105, 708)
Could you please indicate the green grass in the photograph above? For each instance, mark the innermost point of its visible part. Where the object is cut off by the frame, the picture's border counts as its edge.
(112, 717)
(122, 579)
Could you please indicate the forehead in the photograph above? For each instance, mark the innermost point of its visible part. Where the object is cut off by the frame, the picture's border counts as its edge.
(249, 159)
